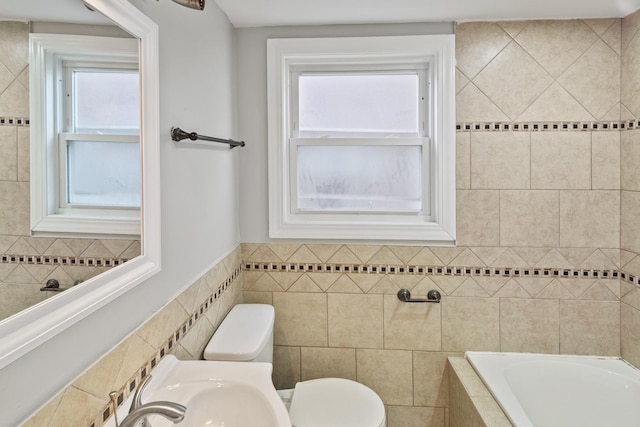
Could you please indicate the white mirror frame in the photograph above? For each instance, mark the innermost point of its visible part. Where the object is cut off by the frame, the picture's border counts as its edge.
(30, 328)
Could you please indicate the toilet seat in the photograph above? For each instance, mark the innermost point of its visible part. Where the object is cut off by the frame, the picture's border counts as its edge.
(335, 402)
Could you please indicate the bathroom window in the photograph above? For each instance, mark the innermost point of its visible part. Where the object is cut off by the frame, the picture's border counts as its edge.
(85, 136)
(361, 138)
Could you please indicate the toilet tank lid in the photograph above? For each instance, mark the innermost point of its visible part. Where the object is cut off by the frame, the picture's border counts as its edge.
(242, 334)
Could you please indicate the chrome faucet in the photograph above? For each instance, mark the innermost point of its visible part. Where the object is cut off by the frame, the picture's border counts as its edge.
(170, 410)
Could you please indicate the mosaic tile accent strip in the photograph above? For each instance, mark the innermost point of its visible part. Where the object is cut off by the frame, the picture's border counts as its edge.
(547, 126)
(560, 273)
(63, 261)
(130, 386)
(14, 121)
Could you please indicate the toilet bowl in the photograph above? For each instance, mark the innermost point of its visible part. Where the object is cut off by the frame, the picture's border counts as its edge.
(246, 334)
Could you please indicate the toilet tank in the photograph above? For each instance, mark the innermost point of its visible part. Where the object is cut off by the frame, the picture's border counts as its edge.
(245, 335)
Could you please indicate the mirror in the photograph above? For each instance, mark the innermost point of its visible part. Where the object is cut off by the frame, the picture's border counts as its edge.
(105, 275)
(36, 266)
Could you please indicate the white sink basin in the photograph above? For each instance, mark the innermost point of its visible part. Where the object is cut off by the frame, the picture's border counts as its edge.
(217, 394)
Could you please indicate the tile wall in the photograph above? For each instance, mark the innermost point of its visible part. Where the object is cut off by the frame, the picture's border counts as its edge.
(26, 263)
(630, 188)
(538, 266)
(182, 328)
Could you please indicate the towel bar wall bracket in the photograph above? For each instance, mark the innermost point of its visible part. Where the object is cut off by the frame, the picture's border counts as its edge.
(178, 134)
(432, 296)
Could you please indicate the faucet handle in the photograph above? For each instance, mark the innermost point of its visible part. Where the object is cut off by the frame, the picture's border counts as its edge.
(137, 397)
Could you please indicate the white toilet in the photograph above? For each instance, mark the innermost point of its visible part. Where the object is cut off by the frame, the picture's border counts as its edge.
(246, 334)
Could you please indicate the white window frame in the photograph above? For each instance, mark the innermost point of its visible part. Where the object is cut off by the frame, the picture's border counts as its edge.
(49, 76)
(435, 225)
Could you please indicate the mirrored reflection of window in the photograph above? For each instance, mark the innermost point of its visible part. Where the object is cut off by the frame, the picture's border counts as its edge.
(87, 137)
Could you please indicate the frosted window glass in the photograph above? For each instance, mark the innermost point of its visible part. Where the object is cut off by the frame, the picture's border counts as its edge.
(360, 104)
(360, 178)
(104, 173)
(107, 101)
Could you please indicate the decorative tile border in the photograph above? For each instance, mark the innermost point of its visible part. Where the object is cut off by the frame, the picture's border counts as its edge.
(130, 386)
(547, 126)
(61, 261)
(14, 121)
(560, 273)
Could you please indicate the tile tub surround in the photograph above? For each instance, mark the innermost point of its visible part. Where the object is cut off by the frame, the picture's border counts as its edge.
(472, 404)
(26, 263)
(630, 187)
(181, 328)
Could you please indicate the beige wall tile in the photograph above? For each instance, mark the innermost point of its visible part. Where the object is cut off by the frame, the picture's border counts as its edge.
(630, 81)
(594, 79)
(477, 44)
(500, 160)
(8, 153)
(250, 297)
(14, 101)
(478, 217)
(605, 160)
(388, 373)
(318, 362)
(529, 218)
(529, 326)
(461, 81)
(411, 326)
(560, 160)
(14, 204)
(430, 371)
(630, 221)
(463, 160)
(630, 331)
(590, 327)
(14, 46)
(286, 367)
(355, 321)
(555, 104)
(163, 324)
(513, 80)
(404, 416)
(556, 44)
(474, 106)
(470, 324)
(68, 414)
(590, 219)
(301, 319)
(630, 158)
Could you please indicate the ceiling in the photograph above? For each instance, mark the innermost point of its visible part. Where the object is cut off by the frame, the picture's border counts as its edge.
(258, 13)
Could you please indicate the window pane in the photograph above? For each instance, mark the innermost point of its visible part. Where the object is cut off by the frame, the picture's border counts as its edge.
(103, 173)
(358, 104)
(106, 101)
(360, 178)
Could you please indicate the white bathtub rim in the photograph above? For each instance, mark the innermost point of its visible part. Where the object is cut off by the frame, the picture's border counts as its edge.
(508, 402)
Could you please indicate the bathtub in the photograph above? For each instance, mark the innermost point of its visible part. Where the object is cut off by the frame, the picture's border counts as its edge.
(539, 390)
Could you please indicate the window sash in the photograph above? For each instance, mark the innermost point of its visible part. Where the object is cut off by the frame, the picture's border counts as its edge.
(426, 179)
(420, 69)
(68, 92)
(62, 206)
